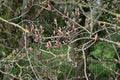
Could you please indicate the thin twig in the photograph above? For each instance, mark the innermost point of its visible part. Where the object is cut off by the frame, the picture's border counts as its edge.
(25, 30)
(84, 61)
(26, 50)
(48, 52)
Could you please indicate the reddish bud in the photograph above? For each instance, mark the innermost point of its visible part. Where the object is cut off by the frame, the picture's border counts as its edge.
(64, 42)
(49, 7)
(62, 56)
(65, 10)
(32, 28)
(116, 18)
(54, 32)
(58, 37)
(55, 22)
(41, 28)
(74, 29)
(30, 49)
(96, 36)
(74, 65)
(91, 26)
(87, 21)
(60, 32)
(56, 45)
(49, 45)
(99, 59)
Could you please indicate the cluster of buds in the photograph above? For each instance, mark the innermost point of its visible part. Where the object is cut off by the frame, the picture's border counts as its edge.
(51, 44)
(35, 32)
(61, 35)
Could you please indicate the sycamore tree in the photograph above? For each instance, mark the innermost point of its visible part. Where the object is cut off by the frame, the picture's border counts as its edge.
(59, 39)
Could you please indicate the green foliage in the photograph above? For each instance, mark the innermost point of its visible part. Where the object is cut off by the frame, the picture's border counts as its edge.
(103, 51)
(105, 66)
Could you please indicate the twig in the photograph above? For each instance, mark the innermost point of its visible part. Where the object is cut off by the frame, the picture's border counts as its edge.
(26, 50)
(25, 30)
(48, 52)
(84, 61)
(9, 74)
(68, 54)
